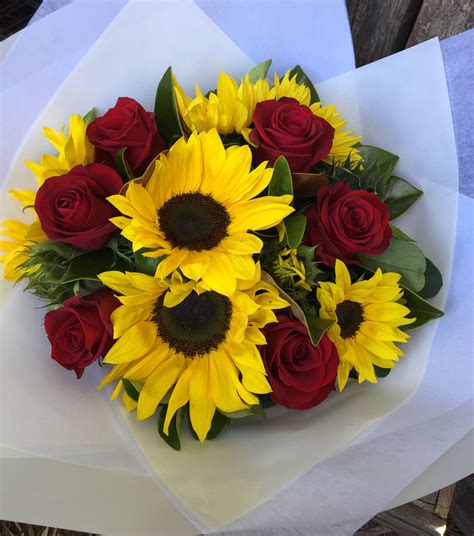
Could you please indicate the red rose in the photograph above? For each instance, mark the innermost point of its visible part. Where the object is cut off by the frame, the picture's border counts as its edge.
(81, 331)
(73, 208)
(300, 374)
(344, 222)
(129, 125)
(286, 127)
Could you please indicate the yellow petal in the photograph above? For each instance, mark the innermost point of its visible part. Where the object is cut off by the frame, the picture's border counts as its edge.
(158, 384)
(201, 405)
(134, 343)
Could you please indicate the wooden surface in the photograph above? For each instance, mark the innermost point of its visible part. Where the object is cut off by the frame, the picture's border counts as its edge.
(383, 27)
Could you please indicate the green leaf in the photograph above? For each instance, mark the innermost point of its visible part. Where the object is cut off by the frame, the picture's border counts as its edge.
(422, 310)
(433, 281)
(130, 389)
(402, 257)
(252, 410)
(90, 116)
(379, 160)
(399, 195)
(266, 401)
(219, 422)
(302, 78)
(146, 265)
(89, 265)
(122, 165)
(172, 439)
(166, 111)
(381, 372)
(295, 226)
(260, 71)
(398, 233)
(281, 183)
(316, 326)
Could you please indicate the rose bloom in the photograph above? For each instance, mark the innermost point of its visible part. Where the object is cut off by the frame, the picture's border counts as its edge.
(73, 208)
(344, 222)
(128, 125)
(301, 375)
(287, 128)
(81, 330)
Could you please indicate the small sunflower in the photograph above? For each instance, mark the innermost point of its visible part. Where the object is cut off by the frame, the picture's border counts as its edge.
(368, 319)
(73, 149)
(197, 208)
(230, 110)
(202, 350)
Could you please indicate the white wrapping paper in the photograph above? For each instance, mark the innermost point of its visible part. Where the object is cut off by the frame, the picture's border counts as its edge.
(225, 479)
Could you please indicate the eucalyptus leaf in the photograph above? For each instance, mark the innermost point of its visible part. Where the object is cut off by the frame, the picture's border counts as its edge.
(172, 439)
(281, 182)
(252, 410)
(260, 71)
(433, 281)
(89, 265)
(402, 257)
(381, 372)
(130, 389)
(219, 423)
(399, 195)
(422, 310)
(316, 326)
(295, 226)
(266, 401)
(90, 116)
(303, 78)
(166, 111)
(122, 165)
(398, 233)
(146, 265)
(380, 160)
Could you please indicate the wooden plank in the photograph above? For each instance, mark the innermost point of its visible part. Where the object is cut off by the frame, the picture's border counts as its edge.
(441, 18)
(409, 520)
(380, 27)
(443, 502)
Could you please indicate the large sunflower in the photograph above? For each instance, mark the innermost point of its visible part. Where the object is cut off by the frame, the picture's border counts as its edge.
(202, 350)
(368, 318)
(73, 149)
(230, 109)
(197, 208)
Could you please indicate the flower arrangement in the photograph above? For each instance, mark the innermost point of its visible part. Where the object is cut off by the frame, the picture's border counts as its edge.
(222, 254)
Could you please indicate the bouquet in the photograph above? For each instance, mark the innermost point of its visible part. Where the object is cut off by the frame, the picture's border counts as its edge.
(222, 254)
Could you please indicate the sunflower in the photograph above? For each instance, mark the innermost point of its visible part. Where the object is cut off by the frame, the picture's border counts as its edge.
(202, 350)
(73, 149)
(368, 318)
(230, 109)
(197, 208)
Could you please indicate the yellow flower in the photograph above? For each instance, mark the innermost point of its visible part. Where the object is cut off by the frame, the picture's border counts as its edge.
(20, 235)
(73, 149)
(203, 350)
(230, 109)
(197, 208)
(367, 321)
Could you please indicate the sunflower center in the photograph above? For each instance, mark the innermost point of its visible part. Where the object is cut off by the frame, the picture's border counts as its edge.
(193, 221)
(349, 317)
(195, 326)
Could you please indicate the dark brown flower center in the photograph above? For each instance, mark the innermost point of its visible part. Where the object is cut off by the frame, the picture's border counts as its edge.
(197, 325)
(193, 221)
(349, 317)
